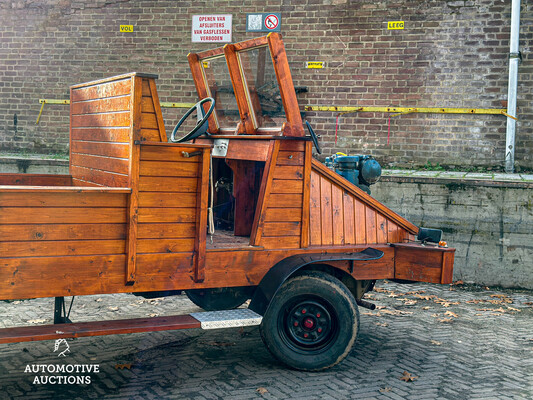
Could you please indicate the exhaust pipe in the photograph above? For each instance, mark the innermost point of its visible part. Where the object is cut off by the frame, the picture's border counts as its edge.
(365, 304)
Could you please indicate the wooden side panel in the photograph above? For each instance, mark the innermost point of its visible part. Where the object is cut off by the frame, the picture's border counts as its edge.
(101, 128)
(425, 264)
(35, 180)
(152, 125)
(281, 225)
(338, 217)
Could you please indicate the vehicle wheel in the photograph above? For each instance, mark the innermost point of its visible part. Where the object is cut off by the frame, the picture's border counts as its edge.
(311, 323)
(217, 299)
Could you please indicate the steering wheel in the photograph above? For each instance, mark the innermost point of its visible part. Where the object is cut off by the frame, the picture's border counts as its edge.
(201, 121)
(313, 137)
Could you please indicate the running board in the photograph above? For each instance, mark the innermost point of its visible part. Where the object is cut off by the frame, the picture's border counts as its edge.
(204, 320)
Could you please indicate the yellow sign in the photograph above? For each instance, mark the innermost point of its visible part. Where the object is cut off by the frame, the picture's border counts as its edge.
(126, 28)
(314, 64)
(395, 25)
(206, 64)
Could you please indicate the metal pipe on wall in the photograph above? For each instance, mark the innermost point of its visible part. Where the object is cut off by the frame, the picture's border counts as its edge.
(514, 59)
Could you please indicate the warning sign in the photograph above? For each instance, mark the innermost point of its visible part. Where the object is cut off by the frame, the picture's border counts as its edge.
(214, 28)
(263, 22)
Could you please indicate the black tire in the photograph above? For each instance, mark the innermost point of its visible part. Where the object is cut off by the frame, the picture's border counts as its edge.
(311, 323)
(217, 299)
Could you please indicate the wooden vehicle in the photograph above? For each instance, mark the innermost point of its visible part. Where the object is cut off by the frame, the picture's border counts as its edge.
(133, 215)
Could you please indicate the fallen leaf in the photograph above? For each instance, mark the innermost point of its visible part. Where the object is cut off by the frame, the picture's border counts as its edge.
(98, 300)
(261, 390)
(382, 324)
(451, 314)
(512, 308)
(407, 377)
(436, 343)
(153, 315)
(122, 366)
(529, 303)
(385, 389)
(380, 307)
(410, 302)
(425, 308)
(458, 283)
(113, 308)
(36, 321)
(445, 320)
(435, 315)
(17, 302)
(416, 292)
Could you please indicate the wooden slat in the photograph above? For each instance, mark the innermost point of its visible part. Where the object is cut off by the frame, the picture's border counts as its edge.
(117, 165)
(35, 179)
(382, 229)
(162, 168)
(151, 135)
(306, 196)
(447, 268)
(326, 212)
(117, 88)
(289, 172)
(283, 214)
(392, 234)
(97, 328)
(62, 232)
(285, 200)
(117, 150)
(360, 222)
(107, 105)
(291, 158)
(167, 214)
(251, 150)
(167, 184)
(201, 217)
(147, 105)
(315, 227)
(167, 153)
(61, 215)
(148, 121)
(337, 215)
(349, 218)
(272, 229)
(99, 177)
(287, 186)
(157, 110)
(67, 199)
(293, 145)
(118, 135)
(146, 88)
(118, 119)
(165, 245)
(282, 242)
(161, 199)
(167, 230)
(61, 248)
(418, 265)
(371, 229)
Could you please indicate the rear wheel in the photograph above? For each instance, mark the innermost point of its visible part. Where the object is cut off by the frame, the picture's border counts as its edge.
(311, 323)
(220, 298)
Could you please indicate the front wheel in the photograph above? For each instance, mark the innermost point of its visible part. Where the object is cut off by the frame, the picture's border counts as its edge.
(311, 323)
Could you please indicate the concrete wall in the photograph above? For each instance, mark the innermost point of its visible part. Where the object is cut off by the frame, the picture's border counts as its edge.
(489, 223)
(450, 54)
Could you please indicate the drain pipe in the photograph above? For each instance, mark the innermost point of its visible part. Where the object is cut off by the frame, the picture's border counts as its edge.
(514, 60)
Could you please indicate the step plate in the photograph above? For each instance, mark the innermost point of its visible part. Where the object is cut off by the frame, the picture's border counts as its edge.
(227, 318)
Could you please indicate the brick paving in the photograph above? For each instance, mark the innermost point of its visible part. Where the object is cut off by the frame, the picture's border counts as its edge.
(463, 343)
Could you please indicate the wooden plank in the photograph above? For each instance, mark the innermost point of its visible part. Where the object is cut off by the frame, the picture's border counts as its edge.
(252, 150)
(168, 184)
(146, 89)
(61, 248)
(61, 215)
(109, 164)
(100, 177)
(283, 186)
(201, 217)
(163, 168)
(40, 232)
(392, 234)
(157, 110)
(251, 43)
(113, 119)
(293, 145)
(418, 265)
(349, 218)
(149, 135)
(117, 88)
(81, 183)
(315, 219)
(447, 267)
(147, 105)
(67, 199)
(306, 196)
(286, 200)
(360, 222)
(168, 152)
(62, 189)
(272, 229)
(371, 228)
(35, 179)
(337, 215)
(291, 172)
(111, 104)
(165, 245)
(117, 150)
(282, 242)
(149, 121)
(118, 135)
(167, 214)
(382, 228)
(283, 214)
(291, 158)
(326, 213)
(200, 83)
(244, 192)
(165, 200)
(166, 230)
(97, 328)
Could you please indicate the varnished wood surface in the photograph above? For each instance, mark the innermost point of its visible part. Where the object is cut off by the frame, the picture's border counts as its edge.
(35, 179)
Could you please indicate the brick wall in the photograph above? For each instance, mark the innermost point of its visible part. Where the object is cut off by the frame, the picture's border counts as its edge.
(450, 54)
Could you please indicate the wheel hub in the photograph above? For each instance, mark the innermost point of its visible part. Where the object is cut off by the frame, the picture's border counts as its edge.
(308, 325)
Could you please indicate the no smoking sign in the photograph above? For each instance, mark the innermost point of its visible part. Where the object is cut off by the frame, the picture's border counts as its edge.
(263, 22)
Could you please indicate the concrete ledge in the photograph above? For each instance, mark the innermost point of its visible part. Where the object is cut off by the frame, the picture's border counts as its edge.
(32, 165)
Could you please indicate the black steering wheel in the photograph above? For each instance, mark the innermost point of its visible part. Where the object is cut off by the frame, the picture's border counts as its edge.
(201, 121)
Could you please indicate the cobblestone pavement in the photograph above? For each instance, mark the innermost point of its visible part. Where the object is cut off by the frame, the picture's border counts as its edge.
(455, 343)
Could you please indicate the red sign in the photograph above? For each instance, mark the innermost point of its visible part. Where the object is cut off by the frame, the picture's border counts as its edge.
(271, 21)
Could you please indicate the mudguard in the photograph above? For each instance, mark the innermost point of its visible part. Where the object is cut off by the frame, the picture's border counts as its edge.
(278, 274)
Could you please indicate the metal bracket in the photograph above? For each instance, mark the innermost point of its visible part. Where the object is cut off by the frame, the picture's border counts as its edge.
(220, 147)
(516, 55)
(60, 314)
